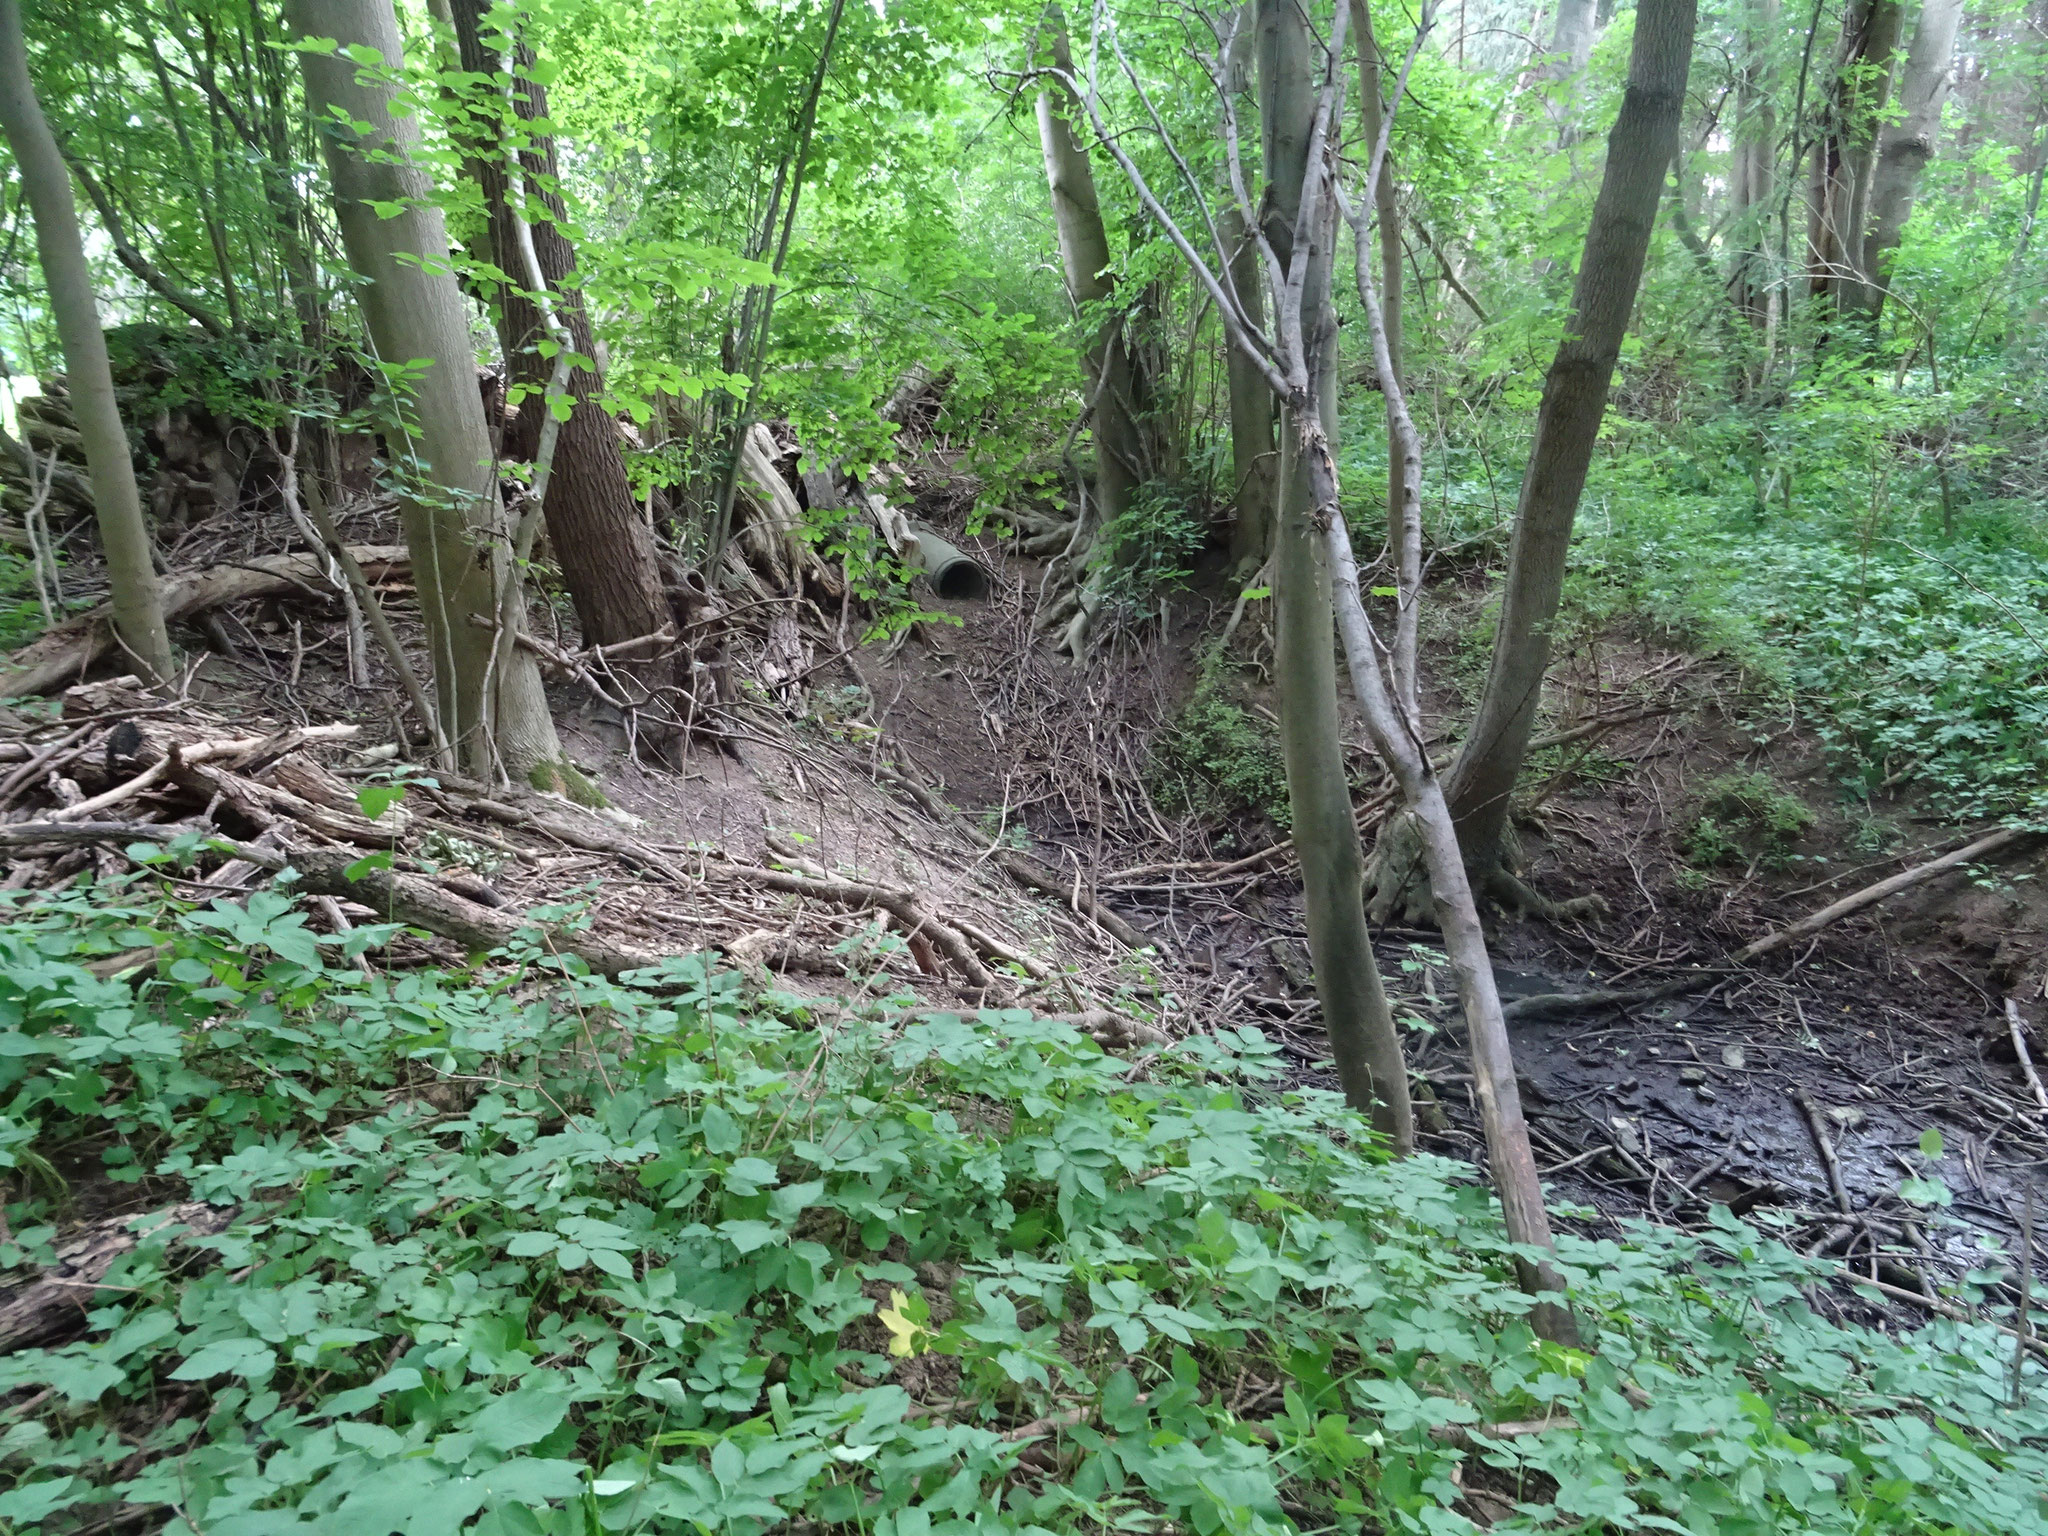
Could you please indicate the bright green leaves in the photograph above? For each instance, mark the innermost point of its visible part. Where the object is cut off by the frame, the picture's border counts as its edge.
(518, 1419)
(250, 1358)
(578, 1241)
(707, 1265)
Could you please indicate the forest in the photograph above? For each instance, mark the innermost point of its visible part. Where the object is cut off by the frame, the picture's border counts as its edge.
(904, 768)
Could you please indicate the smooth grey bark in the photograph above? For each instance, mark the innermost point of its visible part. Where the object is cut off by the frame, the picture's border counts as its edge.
(1754, 185)
(1254, 455)
(1571, 39)
(1639, 149)
(497, 717)
(1356, 1014)
(1371, 109)
(136, 602)
(1906, 145)
(1384, 680)
(1293, 355)
(1115, 375)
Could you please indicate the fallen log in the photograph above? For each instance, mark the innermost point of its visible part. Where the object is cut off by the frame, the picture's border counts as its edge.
(1029, 872)
(394, 895)
(1546, 1005)
(53, 1307)
(64, 653)
(1871, 895)
(899, 904)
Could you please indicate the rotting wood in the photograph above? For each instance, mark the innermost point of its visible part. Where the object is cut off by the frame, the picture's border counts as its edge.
(900, 904)
(1830, 1164)
(395, 896)
(53, 1306)
(64, 653)
(1030, 872)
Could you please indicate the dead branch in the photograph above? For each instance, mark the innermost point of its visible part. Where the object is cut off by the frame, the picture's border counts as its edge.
(63, 654)
(2017, 1026)
(1029, 872)
(1554, 1004)
(1871, 895)
(53, 1307)
(899, 904)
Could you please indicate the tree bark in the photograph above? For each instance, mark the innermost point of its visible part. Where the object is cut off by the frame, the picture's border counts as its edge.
(1906, 145)
(1845, 152)
(1356, 1014)
(1254, 456)
(1755, 181)
(603, 542)
(124, 536)
(1639, 150)
(1371, 109)
(497, 717)
(1116, 378)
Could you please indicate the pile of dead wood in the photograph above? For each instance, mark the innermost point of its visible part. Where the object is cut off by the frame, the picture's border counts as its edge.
(463, 861)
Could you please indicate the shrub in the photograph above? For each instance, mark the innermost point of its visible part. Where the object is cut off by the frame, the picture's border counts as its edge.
(520, 1250)
(1741, 816)
(1219, 758)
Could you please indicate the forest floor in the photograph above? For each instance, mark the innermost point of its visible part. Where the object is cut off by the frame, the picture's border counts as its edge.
(1799, 1092)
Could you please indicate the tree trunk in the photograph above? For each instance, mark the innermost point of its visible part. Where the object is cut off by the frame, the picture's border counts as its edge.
(1755, 181)
(1847, 150)
(1116, 379)
(1356, 1014)
(496, 717)
(1561, 73)
(1639, 150)
(1254, 457)
(137, 605)
(1906, 145)
(1371, 109)
(599, 535)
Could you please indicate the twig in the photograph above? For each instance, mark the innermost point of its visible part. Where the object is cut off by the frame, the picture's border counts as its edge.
(2018, 1028)
(1826, 1148)
(2023, 1335)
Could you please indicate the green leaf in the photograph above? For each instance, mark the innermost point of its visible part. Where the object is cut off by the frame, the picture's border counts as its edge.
(376, 799)
(248, 1358)
(1930, 1142)
(519, 1418)
(747, 1236)
(367, 863)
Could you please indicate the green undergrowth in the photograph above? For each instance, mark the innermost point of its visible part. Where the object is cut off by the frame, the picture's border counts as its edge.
(1217, 758)
(1922, 662)
(521, 1250)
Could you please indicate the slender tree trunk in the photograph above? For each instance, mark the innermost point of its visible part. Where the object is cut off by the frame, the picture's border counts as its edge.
(1383, 678)
(1254, 456)
(497, 717)
(603, 542)
(1562, 73)
(1356, 1014)
(1906, 145)
(137, 605)
(1847, 150)
(1756, 151)
(1639, 150)
(1371, 109)
(1117, 381)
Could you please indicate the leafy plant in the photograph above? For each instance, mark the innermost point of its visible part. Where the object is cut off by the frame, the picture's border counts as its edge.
(520, 1249)
(1744, 815)
(1217, 757)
